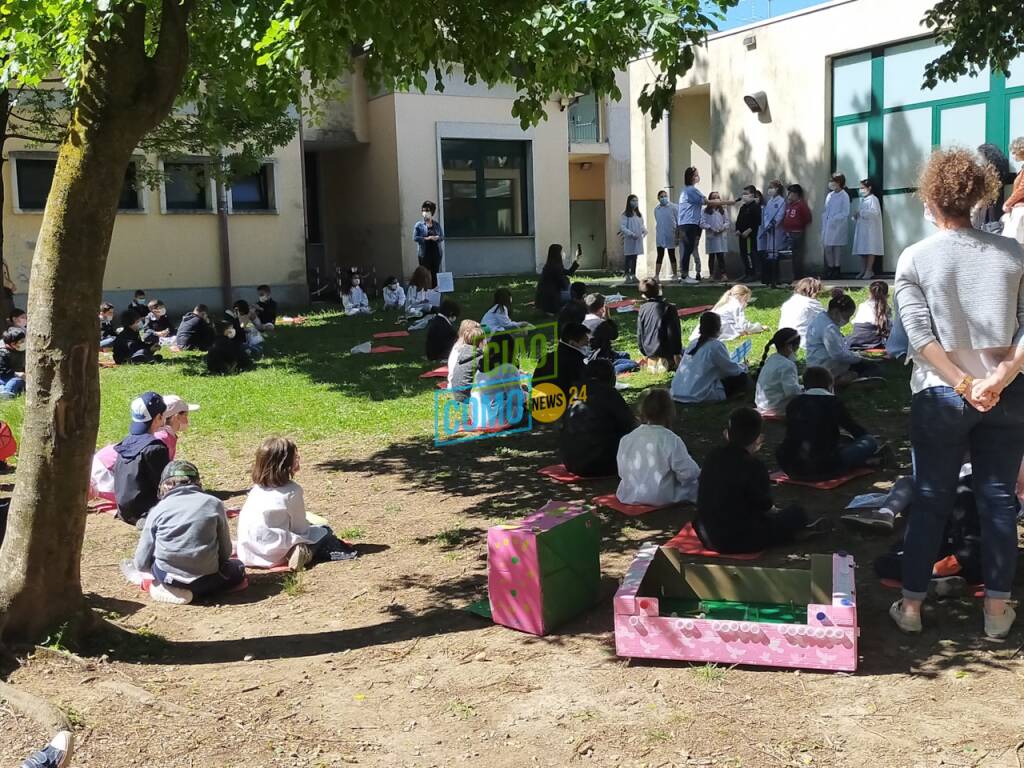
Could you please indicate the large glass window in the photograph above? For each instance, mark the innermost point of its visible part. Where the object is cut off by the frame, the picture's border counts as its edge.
(255, 191)
(904, 76)
(852, 151)
(1016, 77)
(908, 142)
(484, 185)
(962, 126)
(35, 177)
(851, 85)
(186, 187)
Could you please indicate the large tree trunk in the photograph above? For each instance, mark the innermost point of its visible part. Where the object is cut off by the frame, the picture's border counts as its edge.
(6, 305)
(123, 94)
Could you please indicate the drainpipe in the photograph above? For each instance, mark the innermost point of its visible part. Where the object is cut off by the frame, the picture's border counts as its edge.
(224, 240)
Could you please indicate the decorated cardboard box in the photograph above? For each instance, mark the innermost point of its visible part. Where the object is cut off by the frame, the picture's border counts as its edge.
(668, 608)
(545, 569)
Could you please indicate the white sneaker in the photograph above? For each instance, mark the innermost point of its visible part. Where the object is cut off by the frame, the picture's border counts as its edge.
(56, 754)
(162, 593)
(300, 557)
(689, 280)
(906, 623)
(998, 627)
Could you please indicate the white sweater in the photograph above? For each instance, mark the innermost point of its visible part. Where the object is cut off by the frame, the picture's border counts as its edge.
(828, 348)
(798, 312)
(272, 521)
(777, 384)
(655, 468)
(496, 319)
(699, 376)
(734, 322)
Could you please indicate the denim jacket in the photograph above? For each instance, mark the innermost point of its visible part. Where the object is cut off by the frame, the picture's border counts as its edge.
(422, 230)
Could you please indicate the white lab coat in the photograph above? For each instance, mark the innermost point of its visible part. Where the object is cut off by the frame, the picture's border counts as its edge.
(665, 225)
(496, 319)
(633, 231)
(356, 302)
(798, 312)
(699, 376)
(717, 225)
(777, 384)
(734, 322)
(655, 468)
(835, 221)
(272, 521)
(828, 348)
(867, 234)
(394, 296)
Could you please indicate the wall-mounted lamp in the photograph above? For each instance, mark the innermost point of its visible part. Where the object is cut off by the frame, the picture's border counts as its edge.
(586, 166)
(750, 42)
(756, 102)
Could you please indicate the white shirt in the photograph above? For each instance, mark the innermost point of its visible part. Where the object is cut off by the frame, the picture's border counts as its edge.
(867, 234)
(496, 319)
(394, 296)
(777, 384)
(865, 313)
(355, 301)
(828, 348)
(591, 321)
(272, 521)
(699, 376)
(655, 468)
(797, 313)
(835, 222)
(734, 322)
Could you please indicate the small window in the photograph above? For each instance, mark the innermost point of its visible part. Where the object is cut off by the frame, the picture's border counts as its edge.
(35, 177)
(255, 191)
(186, 187)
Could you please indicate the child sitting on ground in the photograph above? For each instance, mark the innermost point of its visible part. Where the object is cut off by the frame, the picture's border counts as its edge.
(157, 322)
(226, 356)
(655, 467)
(828, 348)
(12, 363)
(872, 322)
(139, 303)
(567, 365)
(419, 296)
(394, 294)
(707, 374)
(735, 512)
(659, 333)
(800, 309)
(498, 317)
(195, 330)
(266, 307)
(603, 331)
(272, 527)
(465, 358)
(141, 457)
(441, 334)
(129, 347)
(17, 319)
(732, 309)
(812, 449)
(778, 382)
(575, 309)
(354, 298)
(185, 542)
(595, 423)
(107, 329)
(244, 338)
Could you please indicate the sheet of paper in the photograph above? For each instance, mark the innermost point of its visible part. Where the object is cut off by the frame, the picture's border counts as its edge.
(445, 282)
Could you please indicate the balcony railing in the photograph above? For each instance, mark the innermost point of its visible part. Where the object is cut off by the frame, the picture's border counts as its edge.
(584, 133)
(585, 121)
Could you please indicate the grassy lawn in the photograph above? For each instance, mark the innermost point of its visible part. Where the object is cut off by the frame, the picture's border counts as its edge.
(311, 388)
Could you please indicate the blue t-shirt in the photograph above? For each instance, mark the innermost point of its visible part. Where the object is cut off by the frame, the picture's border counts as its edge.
(691, 201)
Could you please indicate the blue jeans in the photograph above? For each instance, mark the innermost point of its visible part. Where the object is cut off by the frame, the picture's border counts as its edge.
(857, 453)
(623, 363)
(943, 429)
(13, 386)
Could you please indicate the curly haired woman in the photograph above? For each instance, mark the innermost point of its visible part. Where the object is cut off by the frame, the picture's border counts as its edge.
(960, 294)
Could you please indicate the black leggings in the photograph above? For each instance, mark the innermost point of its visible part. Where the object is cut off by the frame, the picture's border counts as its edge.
(736, 385)
(661, 257)
(747, 252)
(691, 238)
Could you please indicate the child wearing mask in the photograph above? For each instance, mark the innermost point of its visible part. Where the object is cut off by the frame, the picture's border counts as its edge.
(394, 294)
(498, 318)
(12, 363)
(567, 366)
(238, 316)
(185, 542)
(418, 297)
(828, 348)
(272, 526)
(748, 221)
(266, 307)
(872, 322)
(835, 224)
(354, 298)
(129, 347)
(735, 511)
(632, 231)
(141, 457)
(157, 322)
(771, 237)
(441, 334)
(17, 319)
(732, 310)
(226, 355)
(107, 329)
(665, 233)
(139, 304)
(797, 220)
(715, 221)
(778, 382)
(707, 373)
(867, 233)
(195, 330)
(654, 466)
(604, 331)
(812, 448)
(658, 330)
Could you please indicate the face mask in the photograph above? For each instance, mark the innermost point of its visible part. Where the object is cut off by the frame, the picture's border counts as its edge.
(19, 347)
(585, 350)
(355, 283)
(746, 198)
(833, 186)
(862, 192)
(662, 201)
(426, 216)
(230, 333)
(141, 301)
(633, 205)
(263, 298)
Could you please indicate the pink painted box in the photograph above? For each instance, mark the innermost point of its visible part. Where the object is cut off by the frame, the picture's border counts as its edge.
(671, 608)
(545, 569)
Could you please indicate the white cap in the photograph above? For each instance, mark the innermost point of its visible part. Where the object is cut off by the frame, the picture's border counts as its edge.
(176, 405)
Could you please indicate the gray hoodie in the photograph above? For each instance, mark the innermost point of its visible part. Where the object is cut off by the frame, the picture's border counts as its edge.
(186, 535)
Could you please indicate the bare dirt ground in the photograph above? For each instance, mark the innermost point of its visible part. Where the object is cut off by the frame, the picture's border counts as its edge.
(374, 662)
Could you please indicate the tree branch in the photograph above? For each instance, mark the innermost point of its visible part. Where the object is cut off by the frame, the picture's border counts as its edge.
(36, 139)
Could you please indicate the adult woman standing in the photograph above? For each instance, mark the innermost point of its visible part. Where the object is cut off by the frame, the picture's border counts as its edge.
(1014, 204)
(428, 236)
(691, 205)
(835, 224)
(960, 294)
(632, 231)
(553, 286)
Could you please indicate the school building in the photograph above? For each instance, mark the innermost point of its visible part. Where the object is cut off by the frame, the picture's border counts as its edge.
(831, 86)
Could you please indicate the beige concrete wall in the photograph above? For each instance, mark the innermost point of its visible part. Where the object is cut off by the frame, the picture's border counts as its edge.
(177, 254)
(586, 184)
